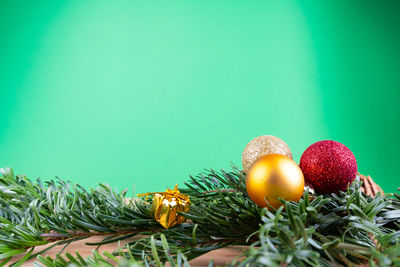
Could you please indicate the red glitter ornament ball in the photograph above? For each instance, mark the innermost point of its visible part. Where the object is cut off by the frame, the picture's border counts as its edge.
(328, 166)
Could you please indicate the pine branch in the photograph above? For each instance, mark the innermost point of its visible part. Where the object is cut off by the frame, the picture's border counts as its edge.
(344, 229)
(36, 213)
(119, 257)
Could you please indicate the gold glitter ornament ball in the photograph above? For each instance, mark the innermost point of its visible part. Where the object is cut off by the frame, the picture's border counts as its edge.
(272, 177)
(261, 146)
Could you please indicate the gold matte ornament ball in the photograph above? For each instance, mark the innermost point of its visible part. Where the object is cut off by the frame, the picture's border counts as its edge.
(261, 146)
(272, 177)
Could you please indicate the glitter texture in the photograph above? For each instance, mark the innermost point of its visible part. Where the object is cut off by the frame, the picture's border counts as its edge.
(261, 146)
(328, 166)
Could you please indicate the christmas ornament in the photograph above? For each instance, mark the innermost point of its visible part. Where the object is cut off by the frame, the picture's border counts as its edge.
(261, 146)
(328, 166)
(272, 177)
(166, 205)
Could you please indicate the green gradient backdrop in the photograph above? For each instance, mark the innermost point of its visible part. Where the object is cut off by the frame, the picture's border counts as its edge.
(130, 92)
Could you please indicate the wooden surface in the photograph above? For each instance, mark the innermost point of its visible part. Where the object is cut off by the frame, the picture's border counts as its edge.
(221, 256)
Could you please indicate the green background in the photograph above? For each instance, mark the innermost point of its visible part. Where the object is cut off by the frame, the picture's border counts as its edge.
(146, 93)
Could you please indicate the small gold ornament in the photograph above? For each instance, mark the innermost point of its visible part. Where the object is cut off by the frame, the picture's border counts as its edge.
(261, 146)
(166, 205)
(272, 177)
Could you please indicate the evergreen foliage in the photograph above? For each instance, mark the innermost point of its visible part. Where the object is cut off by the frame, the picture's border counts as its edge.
(342, 229)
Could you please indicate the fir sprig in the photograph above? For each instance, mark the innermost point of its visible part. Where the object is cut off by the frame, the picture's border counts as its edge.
(343, 229)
